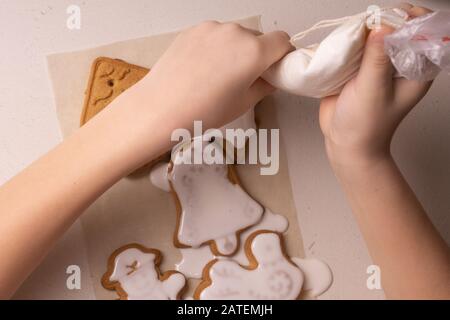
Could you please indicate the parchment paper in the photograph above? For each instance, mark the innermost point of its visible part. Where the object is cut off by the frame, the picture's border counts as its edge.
(133, 210)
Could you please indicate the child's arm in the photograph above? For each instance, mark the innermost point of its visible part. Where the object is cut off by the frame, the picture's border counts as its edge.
(358, 127)
(210, 73)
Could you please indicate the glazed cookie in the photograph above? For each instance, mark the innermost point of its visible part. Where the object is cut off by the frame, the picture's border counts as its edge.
(269, 275)
(211, 205)
(194, 259)
(133, 272)
(108, 79)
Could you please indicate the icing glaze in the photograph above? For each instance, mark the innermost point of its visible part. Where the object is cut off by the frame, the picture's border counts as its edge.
(212, 207)
(194, 259)
(273, 276)
(271, 222)
(318, 275)
(158, 176)
(136, 272)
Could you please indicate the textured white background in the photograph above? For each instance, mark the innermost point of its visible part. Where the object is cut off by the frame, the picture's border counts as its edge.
(29, 30)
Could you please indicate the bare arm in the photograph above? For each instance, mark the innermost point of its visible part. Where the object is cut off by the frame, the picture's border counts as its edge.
(358, 127)
(413, 258)
(198, 78)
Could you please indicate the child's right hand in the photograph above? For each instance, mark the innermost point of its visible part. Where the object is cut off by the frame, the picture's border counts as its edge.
(358, 125)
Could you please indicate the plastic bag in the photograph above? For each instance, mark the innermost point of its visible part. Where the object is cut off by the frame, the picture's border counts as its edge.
(421, 47)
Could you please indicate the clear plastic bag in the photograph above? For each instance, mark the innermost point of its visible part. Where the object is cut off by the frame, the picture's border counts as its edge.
(421, 47)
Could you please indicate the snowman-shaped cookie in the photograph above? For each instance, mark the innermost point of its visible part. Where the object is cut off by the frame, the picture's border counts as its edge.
(133, 272)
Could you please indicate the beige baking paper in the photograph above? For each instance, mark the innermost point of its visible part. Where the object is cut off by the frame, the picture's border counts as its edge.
(133, 210)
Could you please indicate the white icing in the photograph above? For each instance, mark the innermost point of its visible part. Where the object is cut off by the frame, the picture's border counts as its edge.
(135, 271)
(158, 176)
(271, 222)
(226, 245)
(213, 208)
(318, 275)
(194, 259)
(274, 277)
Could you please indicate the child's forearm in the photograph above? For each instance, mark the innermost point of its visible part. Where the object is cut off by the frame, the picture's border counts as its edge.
(39, 204)
(413, 258)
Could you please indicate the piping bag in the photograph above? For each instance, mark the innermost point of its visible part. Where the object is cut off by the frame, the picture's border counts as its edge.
(419, 49)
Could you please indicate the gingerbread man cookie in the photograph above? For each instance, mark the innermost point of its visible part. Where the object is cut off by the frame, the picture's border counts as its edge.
(133, 272)
(270, 274)
(212, 207)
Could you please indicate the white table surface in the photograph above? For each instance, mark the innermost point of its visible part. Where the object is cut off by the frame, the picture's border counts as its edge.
(31, 29)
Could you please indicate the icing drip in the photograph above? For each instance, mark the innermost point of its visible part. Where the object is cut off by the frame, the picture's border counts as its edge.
(213, 208)
(193, 261)
(273, 278)
(135, 271)
(158, 176)
(318, 275)
(226, 245)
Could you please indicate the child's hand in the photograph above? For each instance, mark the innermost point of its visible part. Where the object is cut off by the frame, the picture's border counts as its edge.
(358, 125)
(211, 72)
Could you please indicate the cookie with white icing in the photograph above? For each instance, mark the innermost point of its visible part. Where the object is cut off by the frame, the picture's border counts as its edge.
(212, 207)
(194, 259)
(270, 274)
(133, 272)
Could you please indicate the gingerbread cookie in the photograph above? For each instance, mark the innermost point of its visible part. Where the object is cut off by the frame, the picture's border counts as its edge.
(108, 79)
(212, 207)
(194, 259)
(133, 272)
(269, 275)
